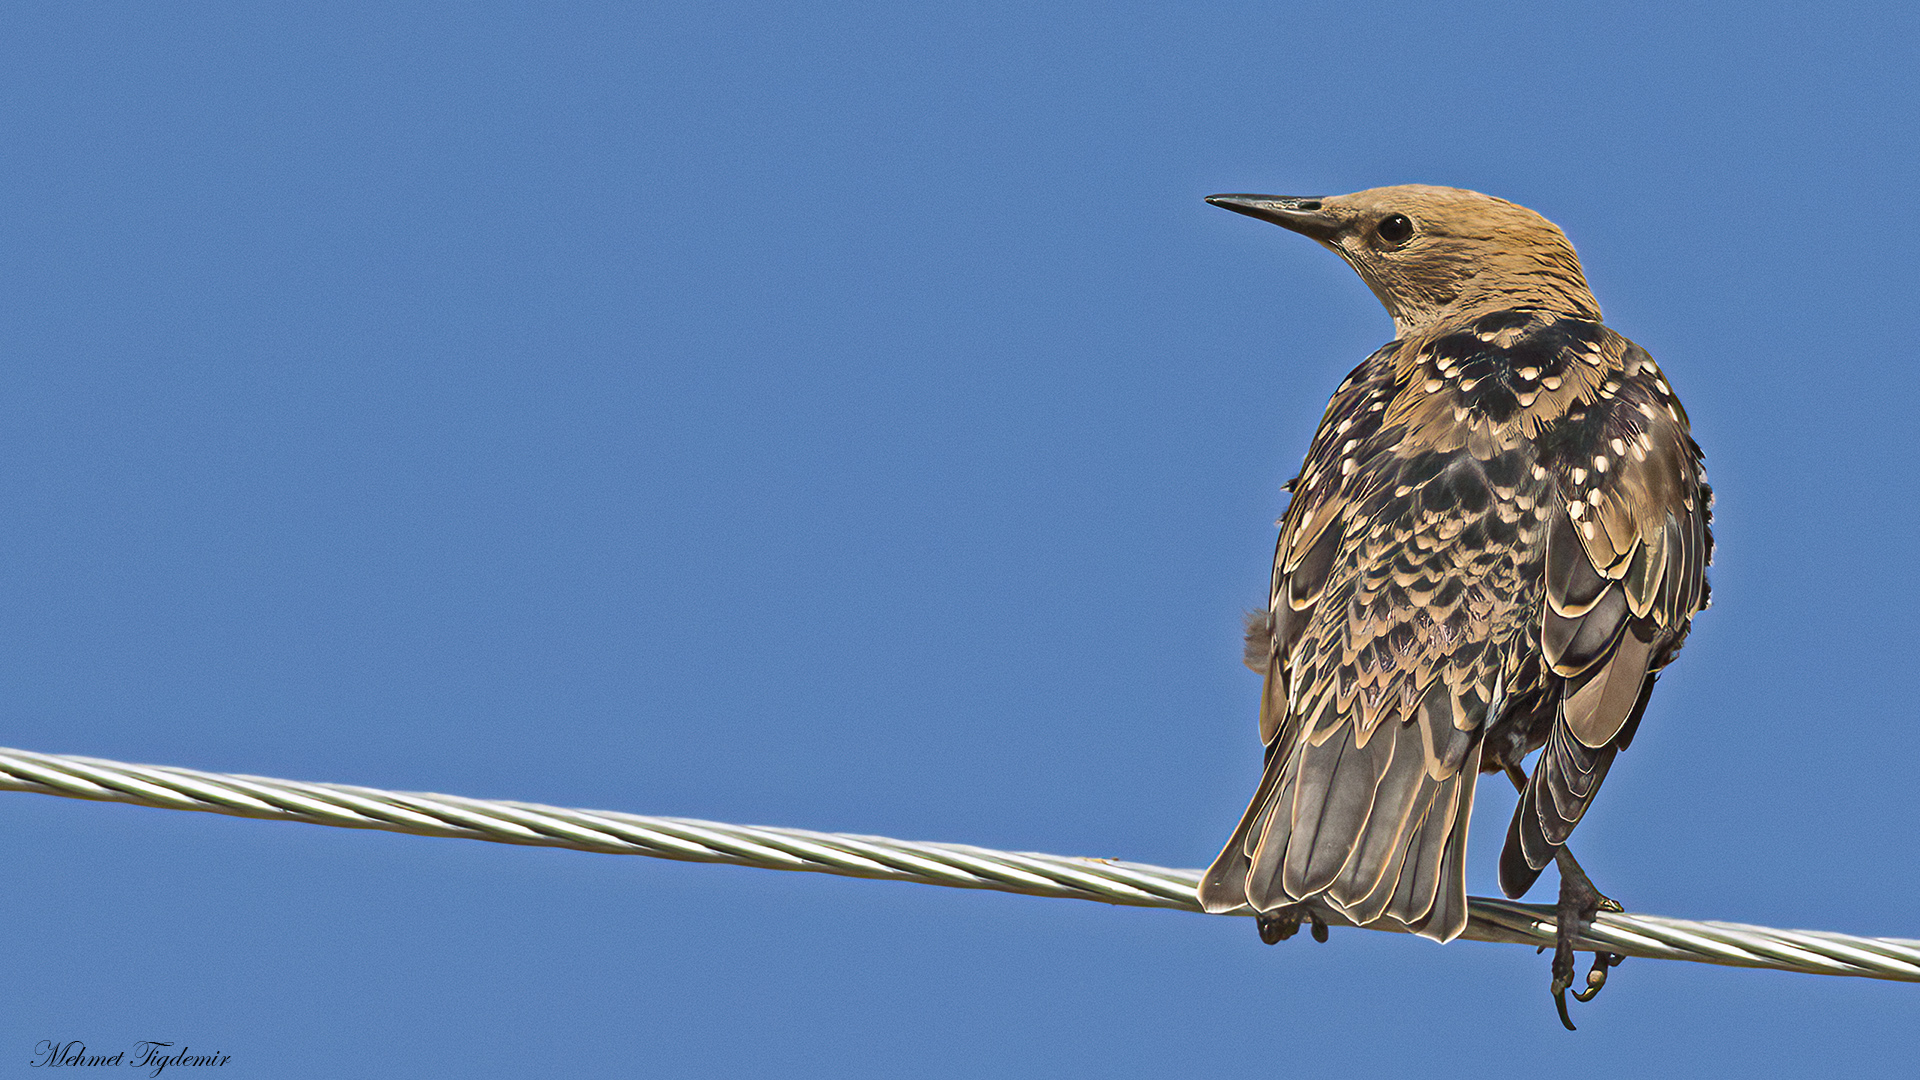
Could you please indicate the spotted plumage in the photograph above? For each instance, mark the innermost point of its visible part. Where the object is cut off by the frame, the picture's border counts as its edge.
(1497, 541)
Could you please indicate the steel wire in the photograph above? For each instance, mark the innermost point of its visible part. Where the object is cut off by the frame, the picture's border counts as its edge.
(953, 865)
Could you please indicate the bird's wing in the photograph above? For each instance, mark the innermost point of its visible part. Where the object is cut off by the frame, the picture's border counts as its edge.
(1627, 547)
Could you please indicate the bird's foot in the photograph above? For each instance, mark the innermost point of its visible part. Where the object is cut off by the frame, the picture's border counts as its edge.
(1282, 923)
(1579, 903)
(1279, 924)
(1597, 975)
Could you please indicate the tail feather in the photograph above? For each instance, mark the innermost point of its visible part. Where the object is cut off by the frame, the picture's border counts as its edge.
(1420, 877)
(1224, 886)
(1382, 838)
(1448, 916)
(1369, 829)
(1269, 850)
(1374, 904)
(1335, 792)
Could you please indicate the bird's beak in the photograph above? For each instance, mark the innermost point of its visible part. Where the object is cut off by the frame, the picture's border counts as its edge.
(1301, 213)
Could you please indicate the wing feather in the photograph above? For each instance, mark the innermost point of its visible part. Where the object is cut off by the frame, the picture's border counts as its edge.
(1644, 524)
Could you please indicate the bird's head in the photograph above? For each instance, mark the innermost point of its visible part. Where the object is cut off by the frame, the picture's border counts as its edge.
(1435, 255)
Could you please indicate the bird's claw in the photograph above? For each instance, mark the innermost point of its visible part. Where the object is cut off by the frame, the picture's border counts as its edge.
(1579, 903)
(1563, 979)
(1597, 975)
(1280, 924)
(1596, 980)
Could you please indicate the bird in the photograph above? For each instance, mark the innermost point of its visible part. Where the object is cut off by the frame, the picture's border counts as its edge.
(1496, 544)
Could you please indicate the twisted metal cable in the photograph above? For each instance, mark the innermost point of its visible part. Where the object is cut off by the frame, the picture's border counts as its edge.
(956, 865)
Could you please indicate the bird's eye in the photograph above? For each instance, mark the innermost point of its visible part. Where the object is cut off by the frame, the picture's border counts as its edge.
(1394, 229)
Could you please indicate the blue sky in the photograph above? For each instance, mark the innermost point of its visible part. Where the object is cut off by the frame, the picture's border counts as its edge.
(851, 418)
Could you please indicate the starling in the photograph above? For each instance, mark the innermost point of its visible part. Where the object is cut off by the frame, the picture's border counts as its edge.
(1498, 540)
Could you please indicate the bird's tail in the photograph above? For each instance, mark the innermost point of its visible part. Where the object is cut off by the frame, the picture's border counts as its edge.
(1375, 826)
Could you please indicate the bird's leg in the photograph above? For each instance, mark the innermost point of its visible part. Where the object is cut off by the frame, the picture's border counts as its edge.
(1583, 886)
(1516, 774)
(1579, 903)
(1282, 923)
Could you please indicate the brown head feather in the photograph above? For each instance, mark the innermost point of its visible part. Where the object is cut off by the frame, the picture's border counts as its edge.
(1438, 255)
